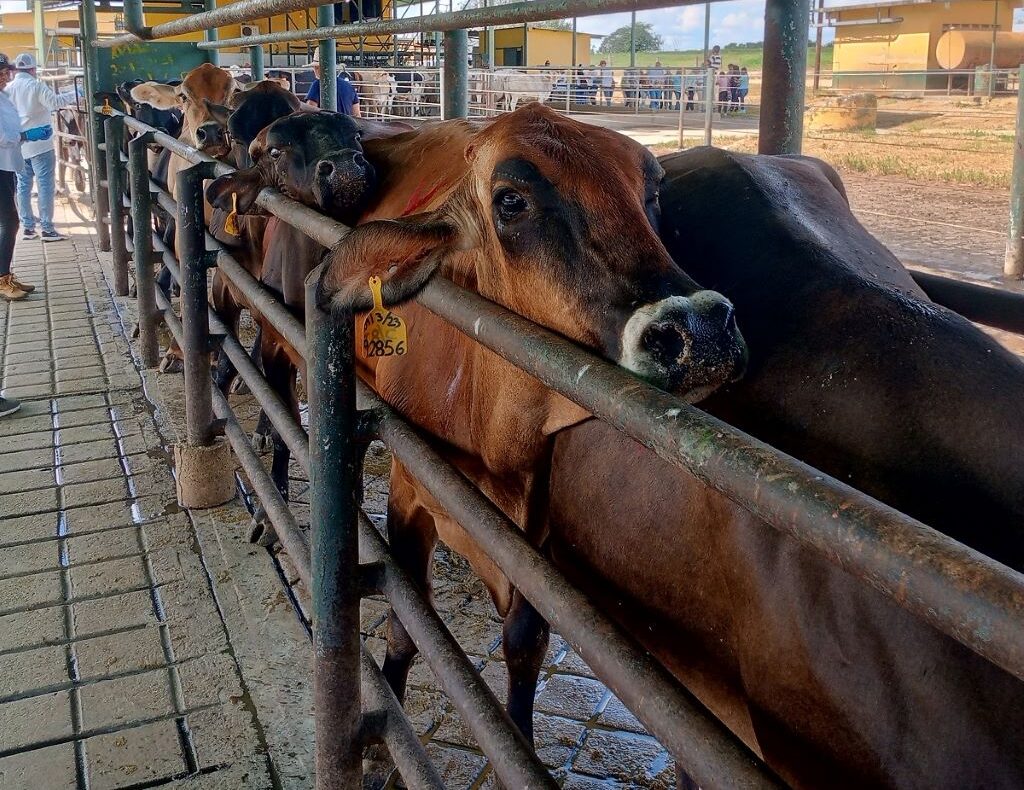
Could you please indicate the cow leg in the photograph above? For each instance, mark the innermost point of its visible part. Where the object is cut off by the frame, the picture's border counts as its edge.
(525, 642)
(280, 375)
(411, 535)
(683, 780)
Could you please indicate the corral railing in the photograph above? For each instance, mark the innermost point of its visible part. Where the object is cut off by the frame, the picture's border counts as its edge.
(957, 590)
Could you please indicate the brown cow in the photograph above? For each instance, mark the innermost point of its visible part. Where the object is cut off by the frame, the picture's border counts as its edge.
(853, 370)
(554, 220)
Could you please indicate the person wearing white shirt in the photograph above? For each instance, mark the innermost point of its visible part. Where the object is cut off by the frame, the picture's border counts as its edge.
(36, 103)
(10, 165)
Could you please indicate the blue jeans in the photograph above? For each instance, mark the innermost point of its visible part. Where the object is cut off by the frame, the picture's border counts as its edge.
(40, 166)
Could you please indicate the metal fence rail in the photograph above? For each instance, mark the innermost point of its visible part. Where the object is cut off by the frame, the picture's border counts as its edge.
(958, 591)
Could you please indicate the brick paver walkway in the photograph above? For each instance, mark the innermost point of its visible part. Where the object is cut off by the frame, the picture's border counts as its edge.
(115, 667)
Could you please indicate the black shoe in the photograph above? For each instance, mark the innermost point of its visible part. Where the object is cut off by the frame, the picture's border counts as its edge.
(29, 235)
(8, 406)
(52, 235)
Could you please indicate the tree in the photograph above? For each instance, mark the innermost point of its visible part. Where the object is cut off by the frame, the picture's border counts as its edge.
(556, 24)
(618, 41)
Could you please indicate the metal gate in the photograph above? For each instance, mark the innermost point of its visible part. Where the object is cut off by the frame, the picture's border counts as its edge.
(957, 590)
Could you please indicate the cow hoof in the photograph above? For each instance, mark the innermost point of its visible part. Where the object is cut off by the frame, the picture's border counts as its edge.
(171, 364)
(377, 767)
(262, 443)
(135, 332)
(261, 531)
(239, 387)
(133, 292)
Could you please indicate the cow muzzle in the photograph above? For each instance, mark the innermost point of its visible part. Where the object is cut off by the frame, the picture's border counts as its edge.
(212, 137)
(341, 181)
(689, 345)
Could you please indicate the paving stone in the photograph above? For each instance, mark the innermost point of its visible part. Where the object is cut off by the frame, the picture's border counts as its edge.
(624, 756)
(88, 471)
(50, 768)
(85, 385)
(27, 502)
(68, 376)
(24, 380)
(252, 774)
(85, 433)
(223, 734)
(93, 517)
(75, 402)
(128, 699)
(41, 458)
(134, 756)
(35, 347)
(120, 542)
(111, 576)
(33, 670)
(11, 482)
(36, 440)
(89, 416)
(37, 589)
(115, 612)
(29, 558)
(35, 366)
(27, 721)
(618, 717)
(458, 768)
(566, 695)
(119, 653)
(88, 451)
(97, 492)
(23, 528)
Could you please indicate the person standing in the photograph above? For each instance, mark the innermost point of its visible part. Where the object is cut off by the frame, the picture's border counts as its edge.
(36, 102)
(607, 82)
(744, 88)
(11, 164)
(715, 58)
(656, 79)
(348, 96)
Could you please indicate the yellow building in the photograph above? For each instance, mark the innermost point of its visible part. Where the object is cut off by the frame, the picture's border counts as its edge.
(526, 45)
(884, 41)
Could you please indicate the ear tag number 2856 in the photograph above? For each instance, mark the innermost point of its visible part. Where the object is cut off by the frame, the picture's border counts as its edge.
(383, 331)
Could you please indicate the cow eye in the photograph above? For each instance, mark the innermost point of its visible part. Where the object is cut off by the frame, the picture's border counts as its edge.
(275, 153)
(510, 205)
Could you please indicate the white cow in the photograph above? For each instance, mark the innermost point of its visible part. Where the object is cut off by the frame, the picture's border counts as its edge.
(376, 92)
(511, 87)
(409, 89)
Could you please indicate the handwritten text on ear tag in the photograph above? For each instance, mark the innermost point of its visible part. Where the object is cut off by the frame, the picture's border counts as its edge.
(383, 331)
(231, 223)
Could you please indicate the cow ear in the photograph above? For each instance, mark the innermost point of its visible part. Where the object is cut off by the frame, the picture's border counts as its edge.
(218, 112)
(404, 254)
(245, 185)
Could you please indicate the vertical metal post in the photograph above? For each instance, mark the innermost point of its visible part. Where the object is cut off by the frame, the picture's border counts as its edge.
(782, 80)
(817, 45)
(682, 103)
(632, 40)
(102, 192)
(574, 54)
(1013, 264)
(328, 61)
(142, 241)
(87, 17)
(256, 62)
(992, 54)
(709, 105)
(334, 546)
(39, 32)
(211, 34)
(114, 134)
(707, 32)
(456, 74)
(194, 263)
(526, 43)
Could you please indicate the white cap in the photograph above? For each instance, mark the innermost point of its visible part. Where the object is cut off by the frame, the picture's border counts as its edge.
(25, 61)
(315, 60)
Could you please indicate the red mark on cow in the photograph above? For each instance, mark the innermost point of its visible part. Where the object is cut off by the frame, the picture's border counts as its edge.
(419, 198)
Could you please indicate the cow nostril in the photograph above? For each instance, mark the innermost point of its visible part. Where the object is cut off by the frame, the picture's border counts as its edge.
(359, 159)
(720, 313)
(664, 340)
(325, 169)
(201, 135)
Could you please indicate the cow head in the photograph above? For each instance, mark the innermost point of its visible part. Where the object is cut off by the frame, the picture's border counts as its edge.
(205, 85)
(250, 111)
(315, 158)
(153, 103)
(556, 220)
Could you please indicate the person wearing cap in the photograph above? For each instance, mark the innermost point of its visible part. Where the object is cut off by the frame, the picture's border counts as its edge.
(348, 96)
(36, 103)
(11, 164)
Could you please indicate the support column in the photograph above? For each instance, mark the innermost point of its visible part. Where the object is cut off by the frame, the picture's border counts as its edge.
(817, 45)
(205, 474)
(142, 242)
(456, 74)
(114, 134)
(1013, 264)
(256, 62)
(39, 32)
(782, 81)
(87, 20)
(334, 546)
(328, 61)
(212, 35)
(632, 41)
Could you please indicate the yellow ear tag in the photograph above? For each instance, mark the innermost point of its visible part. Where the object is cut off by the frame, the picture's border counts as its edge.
(106, 109)
(231, 223)
(383, 331)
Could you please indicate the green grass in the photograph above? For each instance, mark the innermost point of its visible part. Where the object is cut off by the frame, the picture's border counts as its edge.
(751, 58)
